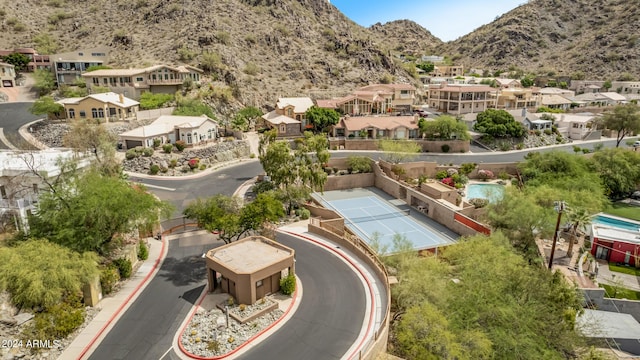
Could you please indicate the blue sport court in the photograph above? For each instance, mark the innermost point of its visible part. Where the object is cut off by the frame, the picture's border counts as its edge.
(365, 214)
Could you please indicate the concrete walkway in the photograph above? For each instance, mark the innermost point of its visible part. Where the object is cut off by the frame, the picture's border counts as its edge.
(112, 307)
(606, 276)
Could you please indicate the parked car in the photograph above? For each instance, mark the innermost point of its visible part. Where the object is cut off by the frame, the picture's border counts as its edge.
(635, 195)
(636, 144)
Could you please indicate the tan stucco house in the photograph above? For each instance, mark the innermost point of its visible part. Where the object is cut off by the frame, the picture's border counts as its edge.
(372, 127)
(461, 98)
(289, 117)
(374, 99)
(250, 268)
(68, 67)
(133, 82)
(168, 129)
(104, 107)
(518, 98)
(7, 75)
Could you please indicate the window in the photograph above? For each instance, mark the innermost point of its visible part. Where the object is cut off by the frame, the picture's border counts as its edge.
(35, 188)
(139, 79)
(95, 81)
(72, 114)
(100, 113)
(188, 138)
(112, 111)
(94, 113)
(83, 114)
(283, 129)
(3, 191)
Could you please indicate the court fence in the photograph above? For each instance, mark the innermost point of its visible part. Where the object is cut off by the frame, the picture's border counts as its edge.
(329, 224)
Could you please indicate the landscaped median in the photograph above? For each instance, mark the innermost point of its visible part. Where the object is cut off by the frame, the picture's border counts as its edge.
(206, 334)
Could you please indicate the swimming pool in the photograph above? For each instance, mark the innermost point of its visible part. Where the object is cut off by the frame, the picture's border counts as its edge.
(491, 192)
(616, 222)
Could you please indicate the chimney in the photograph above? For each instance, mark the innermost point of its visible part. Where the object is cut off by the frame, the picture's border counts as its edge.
(524, 112)
(121, 98)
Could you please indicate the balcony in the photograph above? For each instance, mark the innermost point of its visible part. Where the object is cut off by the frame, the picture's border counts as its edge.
(165, 82)
(21, 203)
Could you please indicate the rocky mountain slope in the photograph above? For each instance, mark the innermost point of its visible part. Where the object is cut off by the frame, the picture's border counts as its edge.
(256, 49)
(406, 36)
(597, 39)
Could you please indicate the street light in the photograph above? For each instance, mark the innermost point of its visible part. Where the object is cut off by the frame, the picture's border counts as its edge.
(559, 206)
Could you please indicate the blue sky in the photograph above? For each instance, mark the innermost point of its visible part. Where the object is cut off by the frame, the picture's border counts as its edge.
(447, 20)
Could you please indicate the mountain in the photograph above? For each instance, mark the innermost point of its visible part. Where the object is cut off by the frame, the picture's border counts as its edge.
(257, 50)
(598, 39)
(406, 36)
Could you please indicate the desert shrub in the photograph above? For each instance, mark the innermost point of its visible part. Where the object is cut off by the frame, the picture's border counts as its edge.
(147, 152)
(505, 146)
(445, 148)
(503, 175)
(213, 346)
(586, 151)
(143, 252)
(56, 323)
(156, 143)
(173, 163)
(185, 168)
(194, 163)
(360, 164)
(537, 132)
(167, 148)
(467, 168)
(131, 154)
(441, 174)
(288, 284)
(202, 166)
(252, 155)
(109, 277)
(242, 307)
(304, 214)
(180, 145)
(485, 174)
(478, 202)
(124, 267)
(547, 131)
(154, 169)
(576, 149)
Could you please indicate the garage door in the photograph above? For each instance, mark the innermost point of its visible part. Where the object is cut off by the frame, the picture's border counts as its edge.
(133, 143)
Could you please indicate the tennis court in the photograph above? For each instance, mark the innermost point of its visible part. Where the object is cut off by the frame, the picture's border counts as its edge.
(365, 213)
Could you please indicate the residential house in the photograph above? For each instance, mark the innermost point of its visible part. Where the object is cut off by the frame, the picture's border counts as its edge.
(133, 82)
(20, 187)
(586, 86)
(7, 75)
(579, 126)
(599, 99)
(68, 67)
(518, 98)
(556, 91)
(508, 83)
(556, 102)
(372, 127)
(289, 117)
(626, 87)
(447, 71)
(530, 121)
(168, 129)
(402, 95)
(104, 107)
(37, 61)
(459, 99)
(374, 99)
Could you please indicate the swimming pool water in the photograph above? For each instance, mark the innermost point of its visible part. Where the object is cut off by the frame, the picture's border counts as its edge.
(616, 223)
(491, 192)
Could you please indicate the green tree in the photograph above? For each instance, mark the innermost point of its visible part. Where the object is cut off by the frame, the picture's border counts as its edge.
(607, 85)
(527, 81)
(44, 81)
(619, 170)
(264, 209)
(426, 66)
(97, 140)
(498, 124)
(47, 106)
(19, 61)
(578, 217)
(624, 120)
(397, 151)
(149, 100)
(444, 127)
(361, 164)
(321, 118)
(38, 273)
(246, 118)
(88, 211)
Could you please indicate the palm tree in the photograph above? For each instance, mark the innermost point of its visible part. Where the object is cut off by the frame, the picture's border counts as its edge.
(578, 217)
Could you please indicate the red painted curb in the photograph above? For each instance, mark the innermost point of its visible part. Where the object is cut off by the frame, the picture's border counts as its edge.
(361, 273)
(255, 336)
(135, 291)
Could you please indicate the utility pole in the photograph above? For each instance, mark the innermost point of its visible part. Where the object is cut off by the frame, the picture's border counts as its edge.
(559, 207)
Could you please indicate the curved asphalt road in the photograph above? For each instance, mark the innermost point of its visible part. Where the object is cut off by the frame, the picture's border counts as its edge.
(330, 315)
(12, 117)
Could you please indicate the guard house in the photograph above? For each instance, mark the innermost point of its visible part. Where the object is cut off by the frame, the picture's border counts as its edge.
(250, 268)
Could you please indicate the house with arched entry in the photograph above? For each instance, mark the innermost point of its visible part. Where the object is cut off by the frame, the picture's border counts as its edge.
(168, 129)
(250, 268)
